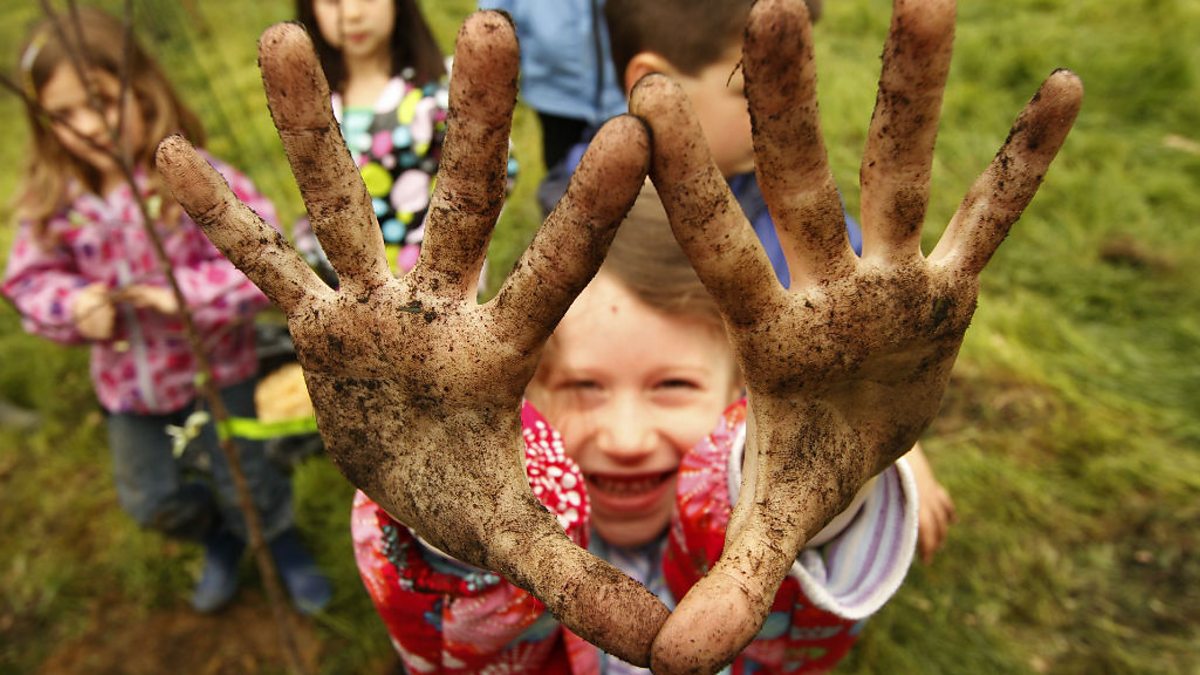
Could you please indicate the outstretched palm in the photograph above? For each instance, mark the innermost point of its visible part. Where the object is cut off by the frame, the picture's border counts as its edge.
(848, 366)
(417, 386)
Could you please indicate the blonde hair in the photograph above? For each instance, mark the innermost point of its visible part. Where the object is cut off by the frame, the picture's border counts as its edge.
(645, 258)
(98, 41)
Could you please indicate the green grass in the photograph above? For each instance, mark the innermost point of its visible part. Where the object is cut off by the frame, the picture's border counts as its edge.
(1069, 438)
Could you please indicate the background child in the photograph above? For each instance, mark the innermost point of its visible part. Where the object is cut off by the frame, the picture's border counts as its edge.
(566, 71)
(705, 61)
(83, 270)
(387, 77)
(630, 385)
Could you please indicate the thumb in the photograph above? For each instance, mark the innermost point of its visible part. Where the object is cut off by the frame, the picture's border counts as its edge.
(723, 612)
(785, 498)
(595, 600)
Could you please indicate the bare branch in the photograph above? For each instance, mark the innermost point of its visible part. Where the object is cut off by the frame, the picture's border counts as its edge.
(126, 72)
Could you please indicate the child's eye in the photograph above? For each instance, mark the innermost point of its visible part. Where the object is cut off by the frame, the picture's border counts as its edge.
(678, 383)
(582, 394)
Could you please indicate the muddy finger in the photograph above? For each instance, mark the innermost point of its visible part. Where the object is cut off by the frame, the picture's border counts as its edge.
(595, 600)
(781, 85)
(1000, 195)
(472, 173)
(723, 611)
(571, 245)
(896, 163)
(255, 247)
(339, 206)
(707, 220)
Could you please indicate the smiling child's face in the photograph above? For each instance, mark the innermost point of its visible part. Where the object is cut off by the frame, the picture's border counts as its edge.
(85, 131)
(631, 390)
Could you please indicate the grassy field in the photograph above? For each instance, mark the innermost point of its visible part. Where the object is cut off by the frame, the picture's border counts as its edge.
(1069, 438)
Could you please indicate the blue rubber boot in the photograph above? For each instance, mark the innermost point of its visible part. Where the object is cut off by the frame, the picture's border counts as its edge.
(219, 579)
(309, 588)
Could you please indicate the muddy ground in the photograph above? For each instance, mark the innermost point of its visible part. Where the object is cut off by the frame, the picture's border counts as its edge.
(243, 638)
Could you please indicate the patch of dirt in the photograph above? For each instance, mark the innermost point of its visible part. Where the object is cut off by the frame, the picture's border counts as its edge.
(1125, 250)
(130, 640)
(1156, 552)
(973, 399)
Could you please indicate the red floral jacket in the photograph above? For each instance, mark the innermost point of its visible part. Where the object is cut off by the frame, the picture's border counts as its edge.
(444, 616)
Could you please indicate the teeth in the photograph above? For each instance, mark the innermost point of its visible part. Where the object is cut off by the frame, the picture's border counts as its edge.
(627, 486)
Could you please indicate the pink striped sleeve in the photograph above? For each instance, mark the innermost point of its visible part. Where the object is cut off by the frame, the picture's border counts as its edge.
(863, 566)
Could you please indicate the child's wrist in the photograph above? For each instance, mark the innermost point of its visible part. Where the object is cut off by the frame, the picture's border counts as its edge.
(842, 520)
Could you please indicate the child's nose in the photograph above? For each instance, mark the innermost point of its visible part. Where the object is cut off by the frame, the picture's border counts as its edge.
(351, 8)
(626, 432)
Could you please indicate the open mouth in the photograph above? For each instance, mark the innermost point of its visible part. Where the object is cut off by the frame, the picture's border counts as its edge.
(628, 485)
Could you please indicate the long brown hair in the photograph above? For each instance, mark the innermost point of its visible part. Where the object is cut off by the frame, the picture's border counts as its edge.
(98, 41)
(412, 45)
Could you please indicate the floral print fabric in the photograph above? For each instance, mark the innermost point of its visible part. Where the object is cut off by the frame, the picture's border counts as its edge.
(147, 367)
(447, 617)
(397, 146)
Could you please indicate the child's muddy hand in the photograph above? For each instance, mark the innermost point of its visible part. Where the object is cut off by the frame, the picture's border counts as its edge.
(848, 366)
(417, 387)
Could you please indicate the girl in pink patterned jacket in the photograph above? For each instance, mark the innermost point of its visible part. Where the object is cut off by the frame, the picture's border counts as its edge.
(83, 270)
(626, 455)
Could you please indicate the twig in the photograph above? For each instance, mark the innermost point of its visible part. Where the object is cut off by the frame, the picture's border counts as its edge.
(207, 383)
(126, 69)
(211, 394)
(72, 53)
